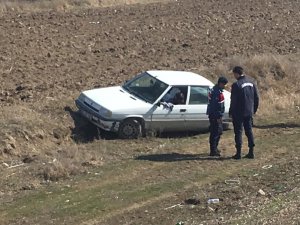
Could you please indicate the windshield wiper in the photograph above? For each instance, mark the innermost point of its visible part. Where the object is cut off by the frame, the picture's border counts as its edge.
(138, 95)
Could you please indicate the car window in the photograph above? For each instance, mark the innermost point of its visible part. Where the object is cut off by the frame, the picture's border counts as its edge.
(176, 95)
(145, 87)
(198, 95)
(143, 81)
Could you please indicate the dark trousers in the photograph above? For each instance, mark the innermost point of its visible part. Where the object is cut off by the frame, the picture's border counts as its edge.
(238, 125)
(216, 130)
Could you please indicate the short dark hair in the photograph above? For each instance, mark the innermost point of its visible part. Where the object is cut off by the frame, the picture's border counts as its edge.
(222, 80)
(238, 69)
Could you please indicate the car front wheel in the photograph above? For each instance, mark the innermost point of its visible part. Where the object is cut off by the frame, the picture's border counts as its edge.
(130, 129)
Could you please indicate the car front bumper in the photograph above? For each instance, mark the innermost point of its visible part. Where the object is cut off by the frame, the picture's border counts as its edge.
(96, 119)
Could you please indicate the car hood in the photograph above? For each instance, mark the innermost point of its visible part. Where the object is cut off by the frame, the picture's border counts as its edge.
(115, 99)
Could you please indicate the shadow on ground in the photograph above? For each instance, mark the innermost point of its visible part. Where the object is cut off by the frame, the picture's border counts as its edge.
(183, 134)
(173, 157)
(84, 131)
(277, 125)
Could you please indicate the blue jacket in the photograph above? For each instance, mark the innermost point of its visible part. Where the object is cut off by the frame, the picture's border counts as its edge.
(216, 106)
(244, 98)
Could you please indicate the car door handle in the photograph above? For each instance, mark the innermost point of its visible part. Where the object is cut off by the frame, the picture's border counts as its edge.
(182, 110)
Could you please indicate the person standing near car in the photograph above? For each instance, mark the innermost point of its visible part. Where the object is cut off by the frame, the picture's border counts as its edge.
(215, 111)
(244, 103)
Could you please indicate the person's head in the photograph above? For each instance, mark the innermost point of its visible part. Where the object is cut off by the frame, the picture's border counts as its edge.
(237, 71)
(222, 81)
(179, 98)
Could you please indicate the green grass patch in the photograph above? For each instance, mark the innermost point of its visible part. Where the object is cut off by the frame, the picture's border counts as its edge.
(123, 183)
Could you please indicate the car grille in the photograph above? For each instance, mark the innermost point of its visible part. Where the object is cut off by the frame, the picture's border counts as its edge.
(91, 107)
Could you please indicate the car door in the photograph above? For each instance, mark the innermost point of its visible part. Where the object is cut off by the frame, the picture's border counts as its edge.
(195, 116)
(166, 118)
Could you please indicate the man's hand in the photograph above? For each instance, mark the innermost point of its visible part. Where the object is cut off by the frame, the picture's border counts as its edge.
(167, 105)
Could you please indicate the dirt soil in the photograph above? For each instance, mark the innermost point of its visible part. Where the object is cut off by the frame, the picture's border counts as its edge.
(47, 58)
(53, 56)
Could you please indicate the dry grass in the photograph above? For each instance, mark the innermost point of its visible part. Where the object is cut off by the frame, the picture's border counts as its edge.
(64, 5)
(28, 133)
(69, 160)
(277, 77)
(17, 128)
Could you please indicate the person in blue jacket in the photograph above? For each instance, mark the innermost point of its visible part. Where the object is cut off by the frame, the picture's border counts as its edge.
(244, 103)
(215, 111)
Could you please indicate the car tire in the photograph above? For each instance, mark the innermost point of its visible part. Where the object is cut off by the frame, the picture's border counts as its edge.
(227, 126)
(130, 129)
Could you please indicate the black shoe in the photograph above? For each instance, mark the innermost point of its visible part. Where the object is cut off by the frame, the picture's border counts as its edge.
(215, 154)
(236, 156)
(249, 156)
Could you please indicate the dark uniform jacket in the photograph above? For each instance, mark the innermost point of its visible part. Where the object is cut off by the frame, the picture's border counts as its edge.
(244, 98)
(216, 106)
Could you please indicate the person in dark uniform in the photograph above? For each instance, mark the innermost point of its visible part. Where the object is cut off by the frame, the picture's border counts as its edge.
(215, 111)
(179, 99)
(244, 103)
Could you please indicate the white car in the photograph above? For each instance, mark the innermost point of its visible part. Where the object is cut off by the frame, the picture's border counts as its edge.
(159, 101)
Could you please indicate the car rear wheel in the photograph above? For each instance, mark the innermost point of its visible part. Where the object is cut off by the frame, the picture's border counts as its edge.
(226, 126)
(130, 129)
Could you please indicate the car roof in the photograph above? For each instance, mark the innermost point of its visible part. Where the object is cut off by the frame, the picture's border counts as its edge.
(179, 77)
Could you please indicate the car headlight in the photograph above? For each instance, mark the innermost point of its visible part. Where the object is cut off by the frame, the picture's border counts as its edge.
(105, 112)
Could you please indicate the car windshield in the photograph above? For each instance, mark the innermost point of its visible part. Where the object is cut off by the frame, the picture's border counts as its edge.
(145, 87)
